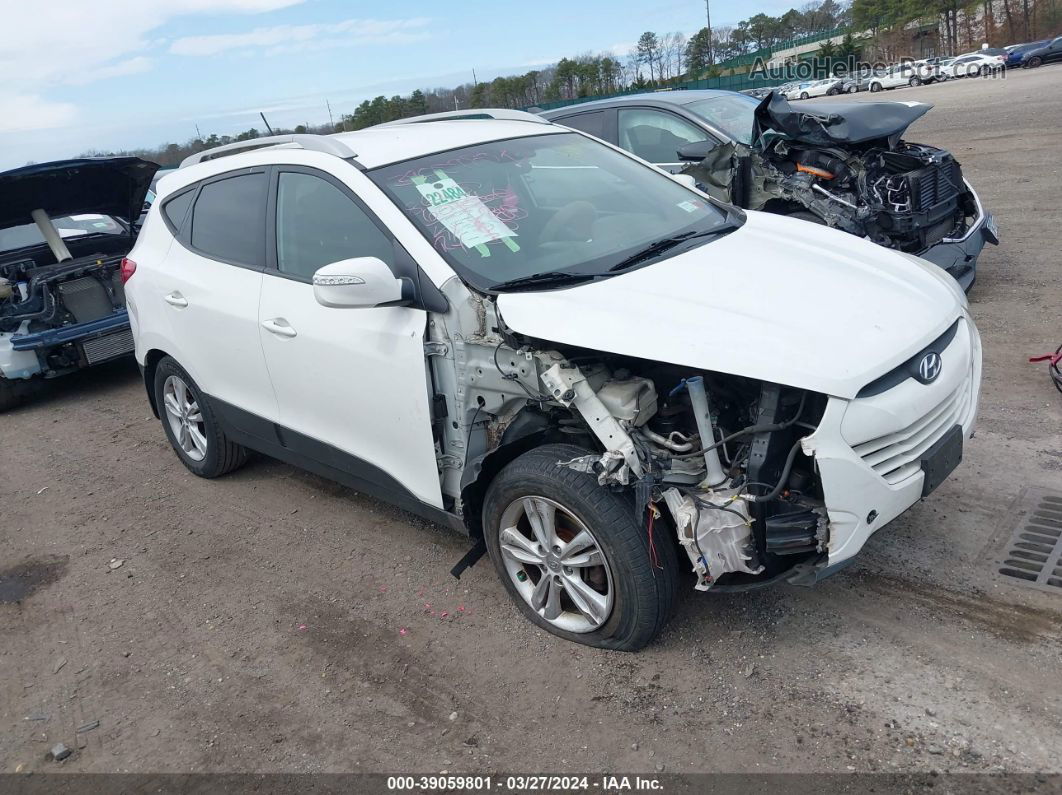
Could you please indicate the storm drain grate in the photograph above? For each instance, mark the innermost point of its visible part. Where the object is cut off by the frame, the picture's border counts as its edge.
(1034, 554)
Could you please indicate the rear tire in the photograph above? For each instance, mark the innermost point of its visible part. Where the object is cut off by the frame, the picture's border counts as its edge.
(803, 94)
(632, 599)
(875, 87)
(191, 426)
(853, 89)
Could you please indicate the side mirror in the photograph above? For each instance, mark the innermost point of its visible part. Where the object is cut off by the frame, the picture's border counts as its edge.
(696, 152)
(686, 180)
(362, 282)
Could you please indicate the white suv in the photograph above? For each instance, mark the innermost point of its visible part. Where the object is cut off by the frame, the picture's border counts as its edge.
(524, 333)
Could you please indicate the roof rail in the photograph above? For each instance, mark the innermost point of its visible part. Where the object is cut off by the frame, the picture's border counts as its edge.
(313, 143)
(500, 114)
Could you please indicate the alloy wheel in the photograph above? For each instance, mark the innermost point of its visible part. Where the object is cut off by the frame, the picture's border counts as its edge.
(185, 418)
(556, 564)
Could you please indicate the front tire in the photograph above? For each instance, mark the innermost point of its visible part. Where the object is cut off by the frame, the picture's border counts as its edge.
(1033, 62)
(191, 426)
(803, 94)
(574, 557)
(875, 87)
(914, 82)
(10, 395)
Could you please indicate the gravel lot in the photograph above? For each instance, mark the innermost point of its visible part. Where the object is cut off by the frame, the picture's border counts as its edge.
(272, 621)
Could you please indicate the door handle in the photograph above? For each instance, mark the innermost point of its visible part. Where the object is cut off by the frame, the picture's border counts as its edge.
(176, 299)
(279, 326)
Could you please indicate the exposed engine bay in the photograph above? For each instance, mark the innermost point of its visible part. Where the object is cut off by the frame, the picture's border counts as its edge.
(860, 178)
(65, 227)
(37, 295)
(714, 458)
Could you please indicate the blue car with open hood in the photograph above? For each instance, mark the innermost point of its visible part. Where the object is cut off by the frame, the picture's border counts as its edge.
(65, 228)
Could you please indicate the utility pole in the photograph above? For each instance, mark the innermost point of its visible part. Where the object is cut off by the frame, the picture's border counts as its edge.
(331, 121)
(708, 17)
(198, 134)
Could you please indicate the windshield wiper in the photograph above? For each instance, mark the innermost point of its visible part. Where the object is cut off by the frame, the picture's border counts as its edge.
(547, 279)
(660, 246)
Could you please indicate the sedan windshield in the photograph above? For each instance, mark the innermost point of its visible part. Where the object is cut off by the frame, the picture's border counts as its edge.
(731, 113)
(546, 210)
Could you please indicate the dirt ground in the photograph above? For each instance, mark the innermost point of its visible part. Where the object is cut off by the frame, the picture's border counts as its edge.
(272, 621)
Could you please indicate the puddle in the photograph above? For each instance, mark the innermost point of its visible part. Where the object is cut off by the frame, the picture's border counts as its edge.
(21, 581)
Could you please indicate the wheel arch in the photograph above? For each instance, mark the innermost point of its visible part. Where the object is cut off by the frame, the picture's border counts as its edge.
(528, 430)
(151, 364)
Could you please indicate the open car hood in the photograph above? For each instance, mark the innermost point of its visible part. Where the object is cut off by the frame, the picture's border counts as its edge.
(830, 123)
(113, 186)
(779, 299)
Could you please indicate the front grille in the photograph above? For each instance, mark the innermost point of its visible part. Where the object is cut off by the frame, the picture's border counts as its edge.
(107, 347)
(896, 456)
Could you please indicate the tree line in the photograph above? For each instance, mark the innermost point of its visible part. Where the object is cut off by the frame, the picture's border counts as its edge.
(962, 24)
(882, 29)
(657, 59)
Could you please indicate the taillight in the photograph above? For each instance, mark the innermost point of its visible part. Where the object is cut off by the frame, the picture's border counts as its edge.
(128, 269)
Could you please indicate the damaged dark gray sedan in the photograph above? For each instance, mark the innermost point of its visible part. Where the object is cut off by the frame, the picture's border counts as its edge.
(844, 164)
(65, 228)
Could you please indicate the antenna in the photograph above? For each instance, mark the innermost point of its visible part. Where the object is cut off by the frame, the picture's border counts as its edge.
(331, 121)
(270, 129)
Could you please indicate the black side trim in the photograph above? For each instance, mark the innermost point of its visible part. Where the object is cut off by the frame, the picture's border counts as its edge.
(325, 460)
(909, 368)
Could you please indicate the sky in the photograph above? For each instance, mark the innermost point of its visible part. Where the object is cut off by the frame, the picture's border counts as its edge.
(84, 75)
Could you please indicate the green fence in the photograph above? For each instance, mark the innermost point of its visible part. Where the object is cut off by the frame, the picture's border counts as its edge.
(738, 82)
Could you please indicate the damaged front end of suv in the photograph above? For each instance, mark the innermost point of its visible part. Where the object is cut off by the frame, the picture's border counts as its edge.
(714, 461)
(65, 228)
(846, 165)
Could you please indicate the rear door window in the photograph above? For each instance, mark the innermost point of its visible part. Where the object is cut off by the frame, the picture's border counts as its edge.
(228, 220)
(592, 123)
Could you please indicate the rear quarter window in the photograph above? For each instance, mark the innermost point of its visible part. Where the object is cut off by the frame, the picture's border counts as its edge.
(175, 210)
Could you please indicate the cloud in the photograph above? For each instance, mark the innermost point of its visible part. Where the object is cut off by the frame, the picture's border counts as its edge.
(295, 38)
(73, 43)
(24, 112)
(130, 66)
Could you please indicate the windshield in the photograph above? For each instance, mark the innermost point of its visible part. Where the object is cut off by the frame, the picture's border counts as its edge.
(731, 113)
(68, 226)
(548, 206)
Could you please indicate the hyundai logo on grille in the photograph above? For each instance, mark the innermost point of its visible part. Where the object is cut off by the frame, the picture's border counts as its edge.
(929, 367)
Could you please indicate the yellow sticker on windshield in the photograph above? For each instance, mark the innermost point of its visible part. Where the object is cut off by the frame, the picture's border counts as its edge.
(464, 215)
